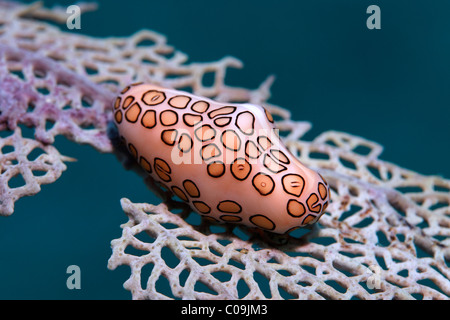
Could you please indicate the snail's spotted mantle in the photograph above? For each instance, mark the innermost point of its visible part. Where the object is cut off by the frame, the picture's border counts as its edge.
(225, 160)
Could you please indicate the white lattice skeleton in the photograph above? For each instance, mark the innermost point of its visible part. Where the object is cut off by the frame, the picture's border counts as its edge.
(385, 234)
(35, 162)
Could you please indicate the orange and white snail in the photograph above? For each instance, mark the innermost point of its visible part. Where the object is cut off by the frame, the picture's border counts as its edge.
(224, 159)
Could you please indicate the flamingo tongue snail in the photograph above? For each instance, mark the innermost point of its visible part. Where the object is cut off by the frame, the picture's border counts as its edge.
(224, 159)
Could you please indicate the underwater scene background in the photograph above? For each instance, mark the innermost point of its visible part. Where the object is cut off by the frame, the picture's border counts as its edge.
(389, 85)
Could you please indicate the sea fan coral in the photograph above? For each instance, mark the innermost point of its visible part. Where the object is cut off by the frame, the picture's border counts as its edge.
(385, 234)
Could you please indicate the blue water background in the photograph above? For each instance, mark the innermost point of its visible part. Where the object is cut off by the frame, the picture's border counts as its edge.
(390, 86)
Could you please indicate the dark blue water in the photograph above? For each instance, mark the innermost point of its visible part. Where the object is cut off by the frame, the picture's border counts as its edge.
(389, 85)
